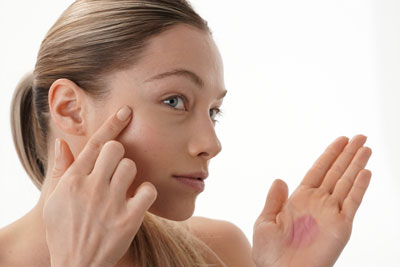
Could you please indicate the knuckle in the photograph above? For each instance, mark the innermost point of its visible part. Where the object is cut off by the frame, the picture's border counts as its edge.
(331, 152)
(320, 193)
(349, 153)
(97, 185)
(122, 222)
(354, 201)
(333, 199)
(95, 144)
(337, 169)
(318, 166)
(74, 185)
(57, 172)
(359, 164)
(344, 181)
(114, 126)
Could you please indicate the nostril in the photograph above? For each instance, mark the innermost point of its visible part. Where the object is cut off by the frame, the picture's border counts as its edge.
(204, 154)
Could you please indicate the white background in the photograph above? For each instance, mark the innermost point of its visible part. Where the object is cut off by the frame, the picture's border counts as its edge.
(299, 74)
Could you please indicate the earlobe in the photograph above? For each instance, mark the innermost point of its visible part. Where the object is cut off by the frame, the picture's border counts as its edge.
(66, 106)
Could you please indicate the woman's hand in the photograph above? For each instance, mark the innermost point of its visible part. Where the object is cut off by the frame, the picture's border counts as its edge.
(312, 227)
(89, 219)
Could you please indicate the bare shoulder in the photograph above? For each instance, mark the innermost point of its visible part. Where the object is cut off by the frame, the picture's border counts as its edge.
(5, 244)
(224, 238)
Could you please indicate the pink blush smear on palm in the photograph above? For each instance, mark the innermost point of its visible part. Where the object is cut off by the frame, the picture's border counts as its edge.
(303, 233)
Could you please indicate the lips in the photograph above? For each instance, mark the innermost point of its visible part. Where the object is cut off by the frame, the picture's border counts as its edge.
(192, 181)
(194, 175)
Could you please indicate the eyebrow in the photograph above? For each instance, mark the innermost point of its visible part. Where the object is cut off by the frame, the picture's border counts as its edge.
(185, 73)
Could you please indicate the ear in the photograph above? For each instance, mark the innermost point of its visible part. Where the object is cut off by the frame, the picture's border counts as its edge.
(67, 105)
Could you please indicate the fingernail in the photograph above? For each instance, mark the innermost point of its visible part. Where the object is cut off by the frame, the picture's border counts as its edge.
(124, 113)
(58, 148)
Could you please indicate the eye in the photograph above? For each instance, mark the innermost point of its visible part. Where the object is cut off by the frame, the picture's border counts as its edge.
(214, 113)
(176, 101)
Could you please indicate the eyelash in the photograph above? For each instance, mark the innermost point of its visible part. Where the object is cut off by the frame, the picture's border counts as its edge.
(218, 110)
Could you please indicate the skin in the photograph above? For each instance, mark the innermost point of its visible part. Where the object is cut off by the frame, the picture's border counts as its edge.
(310, 228)
(163, 140)
(160, 139)
(303, 233)
(313, 225)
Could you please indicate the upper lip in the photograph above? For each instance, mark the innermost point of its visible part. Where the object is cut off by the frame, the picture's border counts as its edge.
(201, 175)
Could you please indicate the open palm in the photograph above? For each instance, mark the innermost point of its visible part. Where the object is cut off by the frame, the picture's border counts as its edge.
(312, 227)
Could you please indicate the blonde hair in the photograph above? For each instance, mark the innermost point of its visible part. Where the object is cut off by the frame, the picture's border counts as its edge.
(93, 38)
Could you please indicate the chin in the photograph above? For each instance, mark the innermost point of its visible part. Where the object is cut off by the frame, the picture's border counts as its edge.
(173, 213)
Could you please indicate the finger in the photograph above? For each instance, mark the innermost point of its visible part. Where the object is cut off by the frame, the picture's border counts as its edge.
(342, 162)
(122, 179)
(277, 195)
(354, 198)
(318, 171)
(345, 183)
(108, 131)
(63, 159)
(137, 206)
(107, 162)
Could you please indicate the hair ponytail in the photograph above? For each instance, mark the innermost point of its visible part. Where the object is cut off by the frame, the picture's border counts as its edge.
(25, 130)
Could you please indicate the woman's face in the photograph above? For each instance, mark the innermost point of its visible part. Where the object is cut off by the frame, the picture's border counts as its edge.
(175, 91)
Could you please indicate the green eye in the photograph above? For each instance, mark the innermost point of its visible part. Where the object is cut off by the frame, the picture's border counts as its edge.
(175, 102)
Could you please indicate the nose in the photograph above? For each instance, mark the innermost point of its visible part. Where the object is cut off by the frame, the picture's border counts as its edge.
(204, 141)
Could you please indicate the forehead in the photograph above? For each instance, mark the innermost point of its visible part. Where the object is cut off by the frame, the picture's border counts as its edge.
(183, 47)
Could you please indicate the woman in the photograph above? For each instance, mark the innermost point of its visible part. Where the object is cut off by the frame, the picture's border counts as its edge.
(118, 119)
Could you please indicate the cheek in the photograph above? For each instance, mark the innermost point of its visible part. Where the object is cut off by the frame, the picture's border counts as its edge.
(151, 144)
(155, 151)
(140, 138)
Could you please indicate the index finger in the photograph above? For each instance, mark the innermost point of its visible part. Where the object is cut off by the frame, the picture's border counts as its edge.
(108, 131)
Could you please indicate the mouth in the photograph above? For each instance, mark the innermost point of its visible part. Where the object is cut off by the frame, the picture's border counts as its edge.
(197, 175)
(193, 180)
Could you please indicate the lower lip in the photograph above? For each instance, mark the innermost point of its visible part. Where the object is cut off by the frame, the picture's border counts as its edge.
(195, 184)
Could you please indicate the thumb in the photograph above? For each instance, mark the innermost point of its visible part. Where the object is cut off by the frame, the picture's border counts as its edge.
(63, 159)
(277, 195)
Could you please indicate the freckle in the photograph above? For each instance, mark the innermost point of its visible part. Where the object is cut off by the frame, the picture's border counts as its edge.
(303, 232)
